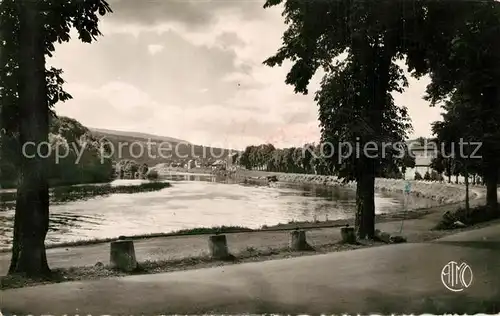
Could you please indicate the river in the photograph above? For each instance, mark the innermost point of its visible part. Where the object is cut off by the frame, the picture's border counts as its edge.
(199, 201)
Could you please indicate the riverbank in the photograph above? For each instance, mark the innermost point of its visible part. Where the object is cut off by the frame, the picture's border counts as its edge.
(157, 253)
(281, 227)
(174, 253)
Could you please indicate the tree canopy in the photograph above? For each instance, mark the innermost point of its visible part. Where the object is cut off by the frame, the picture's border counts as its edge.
(28, 31)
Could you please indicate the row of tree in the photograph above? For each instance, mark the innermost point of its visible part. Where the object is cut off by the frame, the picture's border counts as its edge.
(429, 176)
(357, 44)
(309, 159)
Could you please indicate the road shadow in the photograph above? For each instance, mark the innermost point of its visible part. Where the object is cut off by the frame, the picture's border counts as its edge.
(263, 298)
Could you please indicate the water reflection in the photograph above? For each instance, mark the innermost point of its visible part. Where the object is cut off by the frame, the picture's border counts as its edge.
(194, 201)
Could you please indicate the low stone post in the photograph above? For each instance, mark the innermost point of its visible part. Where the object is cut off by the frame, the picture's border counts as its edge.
(384, 237)
(298, 241)
(348, 235)
(122, 255)
(397, 239)
(218, 247)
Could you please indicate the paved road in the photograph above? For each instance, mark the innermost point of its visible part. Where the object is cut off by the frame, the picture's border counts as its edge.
(390, 279)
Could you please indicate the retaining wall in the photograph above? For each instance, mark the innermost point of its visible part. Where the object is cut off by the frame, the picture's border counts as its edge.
(438, 191)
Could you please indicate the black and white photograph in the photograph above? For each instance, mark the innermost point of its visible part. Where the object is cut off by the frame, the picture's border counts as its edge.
(249, 157)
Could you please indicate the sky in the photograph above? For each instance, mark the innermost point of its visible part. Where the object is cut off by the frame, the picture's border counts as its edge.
(192, 69)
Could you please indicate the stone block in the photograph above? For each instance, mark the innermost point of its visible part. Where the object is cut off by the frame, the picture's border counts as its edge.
(298, 241)
(218, 247)
(122, 255)
(397, 239)
(348, 235)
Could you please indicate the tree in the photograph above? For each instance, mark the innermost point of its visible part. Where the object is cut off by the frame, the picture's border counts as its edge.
(421, 141)
(464, 62)
(265, 154)
(442, 162)
(460, 111)
(418, 176)
(355, 101)
(33, 27)
(307, 157)
(245, 158)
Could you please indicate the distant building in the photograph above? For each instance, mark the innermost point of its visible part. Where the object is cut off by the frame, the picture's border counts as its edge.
(190, 164)
(423, 158)
(219, 164)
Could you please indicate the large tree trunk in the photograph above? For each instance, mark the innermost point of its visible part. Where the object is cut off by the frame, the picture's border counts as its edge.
(32, 204)
(365, 200)
(466, 175)
(491, 179)
(490, 150)
(448, 170)
(376, 61)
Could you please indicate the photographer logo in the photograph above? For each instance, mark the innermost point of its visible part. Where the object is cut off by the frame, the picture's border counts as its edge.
(456, 277)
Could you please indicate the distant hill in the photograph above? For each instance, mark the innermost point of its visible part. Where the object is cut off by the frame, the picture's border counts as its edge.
(174, 150)
(135, 135)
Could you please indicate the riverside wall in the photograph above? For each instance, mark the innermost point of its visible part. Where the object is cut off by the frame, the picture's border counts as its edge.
(439, 191)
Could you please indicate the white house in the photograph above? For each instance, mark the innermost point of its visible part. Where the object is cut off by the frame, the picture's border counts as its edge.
(423, 157)
(219, 164)
(191, 164)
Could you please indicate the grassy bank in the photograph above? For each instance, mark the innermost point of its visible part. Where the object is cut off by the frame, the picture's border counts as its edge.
(182, 232)
(99, 270)
(249, 253)
(187, 249)
(73, 193)
(291, 225)
(462, 217)
(82, 192)
(250, 246)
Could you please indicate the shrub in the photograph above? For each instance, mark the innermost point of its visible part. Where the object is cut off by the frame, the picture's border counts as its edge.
(427, 176)
(418, 176)
(474, 216)
(82, 192)
(434, 176)
(152, 175)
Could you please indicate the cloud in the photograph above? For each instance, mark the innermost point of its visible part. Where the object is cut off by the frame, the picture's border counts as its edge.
(195, 14)
(170, 75)
(119, 105)
(155, 48)
(183, 69)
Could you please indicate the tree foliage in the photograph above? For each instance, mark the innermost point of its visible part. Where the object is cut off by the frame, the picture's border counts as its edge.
(355, 43)
(76, 156)
(466, 71)
(28, 31)
(309, 159)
